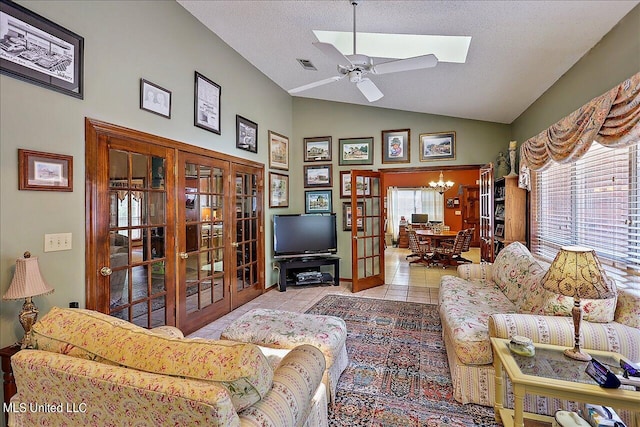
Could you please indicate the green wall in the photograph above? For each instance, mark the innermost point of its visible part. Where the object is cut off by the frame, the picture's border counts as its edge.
(124, 41)
(477, 142)
(615, 58)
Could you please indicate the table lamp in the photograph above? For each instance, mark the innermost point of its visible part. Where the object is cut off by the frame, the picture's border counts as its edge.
(576, 272)
(27, 283)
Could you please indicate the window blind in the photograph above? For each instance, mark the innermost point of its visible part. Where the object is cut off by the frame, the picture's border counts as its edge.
(594, 203)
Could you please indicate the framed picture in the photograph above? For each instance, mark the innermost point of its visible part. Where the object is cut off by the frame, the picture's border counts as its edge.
(278, 151)
(500, 230)
(356, 151)
(317, 149)
(318, 176)
(453, 202)
(396, 146)
(40, 51)
(437, 146)
(155, 99)
(347, 216)
(246, 134)
(318, 201)
(44, 171)
(499, 211)
(207, 104)
(362, 185)
(278, 190)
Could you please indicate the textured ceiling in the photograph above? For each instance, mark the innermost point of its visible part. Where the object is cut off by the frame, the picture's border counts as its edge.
(518, 48)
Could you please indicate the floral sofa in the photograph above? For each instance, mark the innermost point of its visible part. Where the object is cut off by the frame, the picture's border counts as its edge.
(88, 368)
(505, 299)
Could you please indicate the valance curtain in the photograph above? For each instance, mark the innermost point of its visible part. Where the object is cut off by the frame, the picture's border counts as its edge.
(612, 119)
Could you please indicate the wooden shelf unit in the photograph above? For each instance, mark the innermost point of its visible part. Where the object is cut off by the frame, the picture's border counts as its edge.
(503, 212)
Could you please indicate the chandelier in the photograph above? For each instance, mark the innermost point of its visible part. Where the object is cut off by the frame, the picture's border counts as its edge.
(441, 186)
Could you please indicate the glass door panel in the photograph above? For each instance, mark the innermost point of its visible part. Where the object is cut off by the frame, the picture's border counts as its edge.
(203, 287)
(367, 249)
(248, 234)
(138, 289)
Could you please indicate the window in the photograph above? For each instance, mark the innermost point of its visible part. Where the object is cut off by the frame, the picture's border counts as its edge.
(406, 201)
(593, 202)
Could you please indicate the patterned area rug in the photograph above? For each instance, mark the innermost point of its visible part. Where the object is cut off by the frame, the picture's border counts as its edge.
(398, 373)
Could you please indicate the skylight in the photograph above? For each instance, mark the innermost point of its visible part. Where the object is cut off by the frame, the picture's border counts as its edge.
(400, 46)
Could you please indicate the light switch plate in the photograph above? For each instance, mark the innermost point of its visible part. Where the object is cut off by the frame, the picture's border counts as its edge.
(57, 242)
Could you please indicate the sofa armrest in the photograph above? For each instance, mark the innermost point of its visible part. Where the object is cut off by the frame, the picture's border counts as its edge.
(558, 330)
(168, 331)
(295, 382)
(93, 393)
(475, 271)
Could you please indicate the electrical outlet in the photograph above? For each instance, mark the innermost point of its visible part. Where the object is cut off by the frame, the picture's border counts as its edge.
(57, 242)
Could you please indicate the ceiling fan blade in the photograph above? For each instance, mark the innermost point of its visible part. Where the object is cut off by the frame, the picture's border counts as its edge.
(415, 63)
(316, 84)
(334, 54)
(369, 90)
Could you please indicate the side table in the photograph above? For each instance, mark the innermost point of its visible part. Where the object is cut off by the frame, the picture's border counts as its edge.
(8, 382)
(550, 373)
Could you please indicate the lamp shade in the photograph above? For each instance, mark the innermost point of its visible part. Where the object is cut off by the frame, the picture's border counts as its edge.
(27, 280)
(576, 272)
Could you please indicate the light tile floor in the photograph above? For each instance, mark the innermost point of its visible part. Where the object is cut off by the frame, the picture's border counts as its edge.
(404, 282)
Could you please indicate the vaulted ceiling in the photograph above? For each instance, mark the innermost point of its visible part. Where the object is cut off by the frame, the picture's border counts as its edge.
(518, 48)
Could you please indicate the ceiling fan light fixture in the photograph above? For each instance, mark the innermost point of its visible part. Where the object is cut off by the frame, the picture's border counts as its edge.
(399, 46)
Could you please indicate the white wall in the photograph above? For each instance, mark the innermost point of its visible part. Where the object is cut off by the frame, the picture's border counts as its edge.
(124, 41)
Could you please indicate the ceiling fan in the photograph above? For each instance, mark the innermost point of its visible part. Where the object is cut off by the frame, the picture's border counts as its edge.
(358, 66)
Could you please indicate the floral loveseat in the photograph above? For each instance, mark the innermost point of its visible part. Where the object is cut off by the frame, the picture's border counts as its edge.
(505, 299)
(94, 369)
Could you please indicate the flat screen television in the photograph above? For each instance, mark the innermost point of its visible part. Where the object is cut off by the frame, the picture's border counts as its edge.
(300, 235)
(419, 218)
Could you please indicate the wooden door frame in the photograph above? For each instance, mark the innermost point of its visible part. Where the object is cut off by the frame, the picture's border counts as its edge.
(97, 131)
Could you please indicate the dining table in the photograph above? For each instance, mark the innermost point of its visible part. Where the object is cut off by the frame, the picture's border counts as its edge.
(436, 237)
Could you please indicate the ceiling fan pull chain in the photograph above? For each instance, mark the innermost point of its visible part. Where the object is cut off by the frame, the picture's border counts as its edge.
(354, 3)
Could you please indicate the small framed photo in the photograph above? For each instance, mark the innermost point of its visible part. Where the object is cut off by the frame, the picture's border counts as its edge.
(39, 51)
(155, 99)
(318, 176)
(396, 146)
(347, 216)
(499, 230)
(499, 211)
(246, 134)
(207, 104)
(44, 171)
(363, 187)
(453, 202)
(317, 149)
(437, 146)
(278, 190)
(278, 151)
(356, 151)
(318, 201)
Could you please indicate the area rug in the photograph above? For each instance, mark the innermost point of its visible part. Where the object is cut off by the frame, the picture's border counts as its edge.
(398, 374)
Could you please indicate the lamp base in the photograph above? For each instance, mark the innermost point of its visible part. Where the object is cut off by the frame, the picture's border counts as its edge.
(577, 354)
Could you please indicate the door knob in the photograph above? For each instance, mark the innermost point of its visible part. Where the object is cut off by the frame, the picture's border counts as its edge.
(106, 271)
(184, 255)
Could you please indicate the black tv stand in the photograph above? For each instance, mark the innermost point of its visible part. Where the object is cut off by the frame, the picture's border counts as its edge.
(289, 267)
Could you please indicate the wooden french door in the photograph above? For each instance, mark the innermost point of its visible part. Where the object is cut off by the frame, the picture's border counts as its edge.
(133, 272)
(367, 230)
(174, 233)
(203, 248)
(247, 243)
